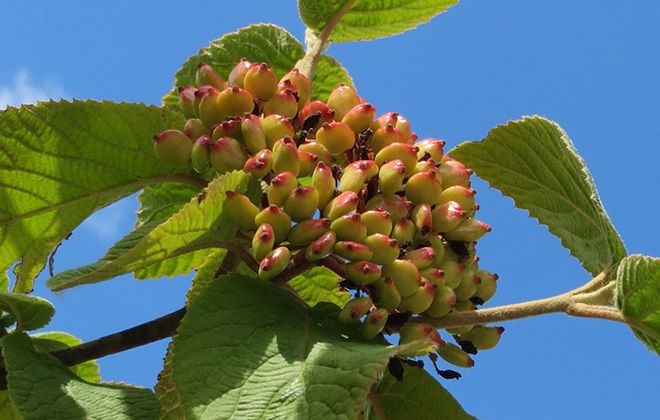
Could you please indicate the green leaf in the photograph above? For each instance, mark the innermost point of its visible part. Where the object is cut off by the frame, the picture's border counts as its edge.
(56, 340)
(638, 297)
(43, 388)
(8, 410)
(60, 162)
(319, 285)
(30, 312)
(247, 349)
(534, 162)
(160, 201)
(418, 396)
(370, 19)
(198, 225)
(261, 43)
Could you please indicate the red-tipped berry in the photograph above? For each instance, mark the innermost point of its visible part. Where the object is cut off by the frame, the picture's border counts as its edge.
(263, 241)
(350, 227)
(283, 103)
(355, 309)
(405, 275)
(386, 293)
(447, 216)
(277, 219)
(240, 210)
(260, 81)
(199, 156)
(374, 323)
(285, 156)
(418, 339)
(321, 247)
(359, 117)
(253, 134)
(205, 75)
(280, 188)
(302, 203)
(336, 136)
(227, 154)
(362, 273)
(423, 187)
(195, 128)
(187, 101)
(469, 230)
(353, 251)
(274, 263)
(260, 164)
(237, 74)
(407, 153)
(377, 221)
(443, 302)
(173, 147)
(344, 203)
(324, 182)
(385, 249)
(342, 99)
(276, 127)
(455, 355)
(308, 231)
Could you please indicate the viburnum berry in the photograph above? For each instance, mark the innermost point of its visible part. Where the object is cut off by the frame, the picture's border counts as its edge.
(397, 214)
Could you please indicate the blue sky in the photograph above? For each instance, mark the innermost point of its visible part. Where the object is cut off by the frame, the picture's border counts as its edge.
(592, 66)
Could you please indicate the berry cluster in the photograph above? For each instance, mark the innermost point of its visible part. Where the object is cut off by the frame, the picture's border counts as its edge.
(395, 211)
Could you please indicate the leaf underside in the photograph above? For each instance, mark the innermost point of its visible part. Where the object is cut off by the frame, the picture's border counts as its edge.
(30, 312)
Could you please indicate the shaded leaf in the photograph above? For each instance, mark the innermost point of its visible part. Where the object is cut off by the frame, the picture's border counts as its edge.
(30, 312)
(319, 285)
(8, 410)
(160, 201)
(370, 19)
(638, 297)
(61, 161)
(263, 43)
(43, 388)
(418, 396)
(270, 356)
(198, 225)
(534, 162)
(56, 340)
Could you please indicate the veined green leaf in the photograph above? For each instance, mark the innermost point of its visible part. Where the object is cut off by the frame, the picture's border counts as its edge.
(8, 410)
(261, 43)
(419, 396)
(638, 297)
(61, 161)
(30, 312)
(200, 224)
(319, 285)
(43, 388)
(370, 19)
(160, 201)
(56, 340)
(534, 162)
(258, 352)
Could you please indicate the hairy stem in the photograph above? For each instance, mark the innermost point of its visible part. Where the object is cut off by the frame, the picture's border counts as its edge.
(316, 45)
(376, 406)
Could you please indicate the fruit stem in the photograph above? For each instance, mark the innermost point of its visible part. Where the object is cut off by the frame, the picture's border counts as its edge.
(316, 44)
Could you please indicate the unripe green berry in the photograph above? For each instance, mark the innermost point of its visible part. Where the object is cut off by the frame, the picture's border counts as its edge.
(302, 83)
(199, 94)
(404, 231)
(285, 156)
(425, 166)
(434, 275)
(187, 101)
(359, 117)
(432, 147)
(319, 150)
(336, 136)
(423, 187)
(377, 221)
(374, 323)
(461, 195)
(468, 285)
(228, 128)
(173, 147)
(419, 301)
(321, 247)
(439, 245)
(263, 241)
(301, 203)
(234, 102)
(350, 227)
(205, 75)
(407, 153)
(443, 302)
(355, 309)
(283, 103)
(200, 154)
(385, 136)
(308, 163)
(362, 273)
(418, 339)
(447, 216)
(423, 219)
(352, 180)
(421, 257)
(344, 203)
(453, 272)
(454, 173)
(385, 249)
(274, 263)
(277, 219)
(342, 99)
(240, 210)
(261, 81)
(455, 355)
(482, 337)
(209, 109)
(397, 207)
(391, 176)
(308, 231)
(386, 293)
(227, 154)
(260, 164)
(405, 275)
(353, 251)
(469, 230)
(237, 74)
(280, 187)
(324, 182)
(254, 138)
(195, 128)
(276, 127)
(392, 119)
(488, 285)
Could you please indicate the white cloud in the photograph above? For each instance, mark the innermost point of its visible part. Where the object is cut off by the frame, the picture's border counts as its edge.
(113, 222)
(22, 90)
